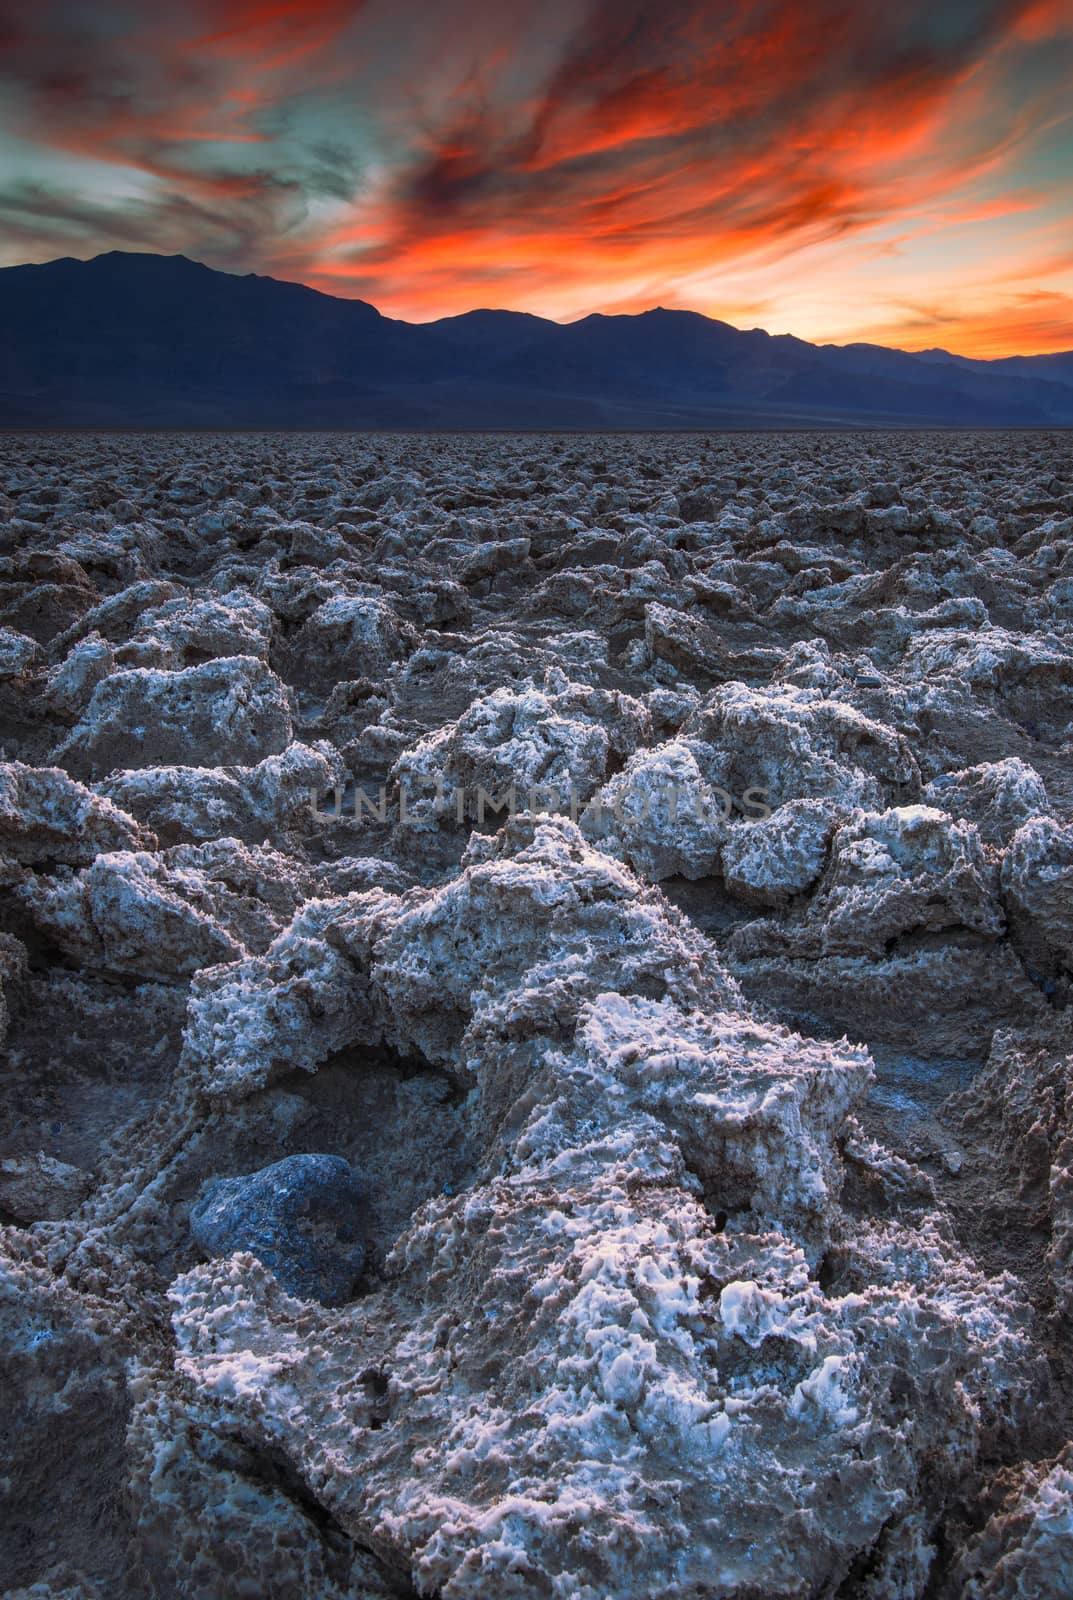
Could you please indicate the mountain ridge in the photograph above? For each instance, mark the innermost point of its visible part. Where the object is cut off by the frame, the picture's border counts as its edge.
(134, 339)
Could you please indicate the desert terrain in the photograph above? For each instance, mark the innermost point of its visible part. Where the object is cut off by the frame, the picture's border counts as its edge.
(536, 975)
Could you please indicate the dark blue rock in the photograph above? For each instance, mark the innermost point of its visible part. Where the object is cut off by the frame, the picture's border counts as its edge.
(302, 1217)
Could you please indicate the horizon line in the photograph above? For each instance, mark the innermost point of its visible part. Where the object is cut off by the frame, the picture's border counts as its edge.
(561, 322)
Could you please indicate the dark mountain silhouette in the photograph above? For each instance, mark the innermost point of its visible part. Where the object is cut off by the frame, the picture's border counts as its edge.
(131, 340)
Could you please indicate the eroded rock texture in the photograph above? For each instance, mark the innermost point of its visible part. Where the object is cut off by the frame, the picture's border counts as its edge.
(535, 984)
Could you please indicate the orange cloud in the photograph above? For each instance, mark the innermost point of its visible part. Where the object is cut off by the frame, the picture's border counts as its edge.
(594, 153)
(1038, 322)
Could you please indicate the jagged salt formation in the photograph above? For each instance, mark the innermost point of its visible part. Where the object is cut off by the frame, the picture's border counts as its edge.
(398, 1196)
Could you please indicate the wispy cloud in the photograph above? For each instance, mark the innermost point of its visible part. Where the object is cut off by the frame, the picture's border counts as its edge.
(583, 156)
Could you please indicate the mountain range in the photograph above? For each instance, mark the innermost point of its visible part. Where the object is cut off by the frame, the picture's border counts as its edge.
(134, 340)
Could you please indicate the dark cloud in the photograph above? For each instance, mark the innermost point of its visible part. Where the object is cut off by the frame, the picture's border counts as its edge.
(387, 146)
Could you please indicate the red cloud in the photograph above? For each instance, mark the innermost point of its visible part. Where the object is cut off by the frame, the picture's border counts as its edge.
(636, 148)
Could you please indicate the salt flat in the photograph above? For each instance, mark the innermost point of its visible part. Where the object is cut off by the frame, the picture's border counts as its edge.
(635, 873)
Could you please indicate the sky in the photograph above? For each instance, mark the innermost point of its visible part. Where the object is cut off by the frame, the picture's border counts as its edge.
(840, 169)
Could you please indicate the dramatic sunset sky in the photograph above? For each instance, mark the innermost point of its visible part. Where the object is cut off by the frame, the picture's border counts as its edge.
(839, 169)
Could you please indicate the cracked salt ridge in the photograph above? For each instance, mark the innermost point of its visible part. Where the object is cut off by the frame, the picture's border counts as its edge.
(658, 1296)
